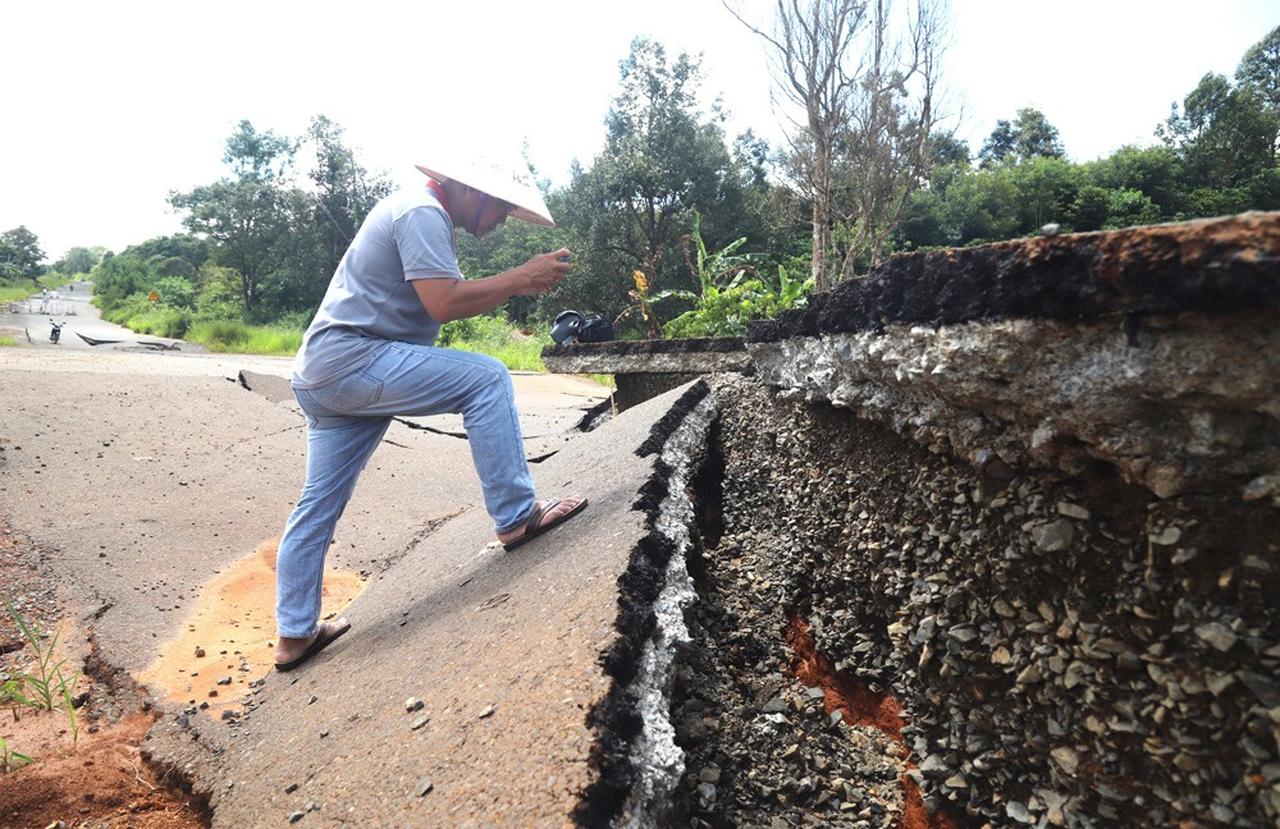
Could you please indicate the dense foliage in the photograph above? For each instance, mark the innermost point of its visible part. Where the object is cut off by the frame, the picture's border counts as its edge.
(675, 229)
(1217, 155)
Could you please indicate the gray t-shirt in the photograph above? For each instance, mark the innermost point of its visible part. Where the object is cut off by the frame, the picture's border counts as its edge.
(407, 236)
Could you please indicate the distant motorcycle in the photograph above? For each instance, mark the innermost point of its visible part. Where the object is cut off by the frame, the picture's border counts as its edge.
(55, 333)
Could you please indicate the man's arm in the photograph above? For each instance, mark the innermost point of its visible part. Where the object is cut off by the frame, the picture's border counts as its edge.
(452, 299)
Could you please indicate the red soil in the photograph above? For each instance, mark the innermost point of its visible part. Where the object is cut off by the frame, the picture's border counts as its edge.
(859, 705)
(102, 782)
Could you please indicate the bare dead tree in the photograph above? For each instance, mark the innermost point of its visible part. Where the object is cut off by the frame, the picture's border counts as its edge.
(891, 119)
(866, 82)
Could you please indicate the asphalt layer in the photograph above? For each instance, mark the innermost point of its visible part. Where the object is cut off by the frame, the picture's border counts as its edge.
(629, 347)
(1209, 265)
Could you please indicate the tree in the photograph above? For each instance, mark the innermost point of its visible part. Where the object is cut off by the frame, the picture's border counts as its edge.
(1155, 172)
(181, 254)
(243, 215)
(345, 192)
(1046, 188)
(888, 139)
(1224, 135)
(945, 148)
(117, 278)
(20, 254)
(1002, 143)
(1259, 70)
(79, 260)
(1037, 138)
(662, 159)
(864, 79)
(1030, 135)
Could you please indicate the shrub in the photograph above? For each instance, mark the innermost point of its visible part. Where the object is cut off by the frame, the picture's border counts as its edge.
(725, 312)
(176, 291)
(161, 322)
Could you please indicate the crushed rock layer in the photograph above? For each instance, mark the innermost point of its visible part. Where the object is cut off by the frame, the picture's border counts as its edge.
(1068, 650)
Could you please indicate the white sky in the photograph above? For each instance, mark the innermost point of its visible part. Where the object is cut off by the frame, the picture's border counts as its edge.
(110, 106)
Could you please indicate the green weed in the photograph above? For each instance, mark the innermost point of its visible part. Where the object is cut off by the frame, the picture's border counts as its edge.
(160, 322)
(11, 694)
(70, 707)
(604, 380)
(14, 293)
(42, 688)
(11, 759)
(497, 337)
(7, 341)
(47, 686)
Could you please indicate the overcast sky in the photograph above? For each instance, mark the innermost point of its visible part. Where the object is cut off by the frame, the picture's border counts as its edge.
(110, 106)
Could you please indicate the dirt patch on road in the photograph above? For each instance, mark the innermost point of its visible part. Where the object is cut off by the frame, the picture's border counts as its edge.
(102, 782)
(227, 645)
(86, 771)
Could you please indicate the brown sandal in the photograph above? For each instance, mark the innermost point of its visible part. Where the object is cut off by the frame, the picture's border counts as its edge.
(532, 527)
(325, 636)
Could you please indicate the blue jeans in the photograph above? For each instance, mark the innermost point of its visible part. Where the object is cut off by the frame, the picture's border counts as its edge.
(346, 420)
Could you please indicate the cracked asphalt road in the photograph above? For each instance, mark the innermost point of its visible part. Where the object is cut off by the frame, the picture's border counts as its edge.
(147, 474)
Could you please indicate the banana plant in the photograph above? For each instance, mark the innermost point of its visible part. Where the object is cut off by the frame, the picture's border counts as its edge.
(716, 271)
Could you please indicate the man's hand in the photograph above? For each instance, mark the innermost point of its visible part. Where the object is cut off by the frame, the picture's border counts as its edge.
(543, 272)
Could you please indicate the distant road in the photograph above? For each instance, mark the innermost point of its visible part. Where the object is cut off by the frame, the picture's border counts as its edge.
(72, 307)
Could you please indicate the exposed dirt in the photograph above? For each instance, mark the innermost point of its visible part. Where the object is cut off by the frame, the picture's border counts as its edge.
(102, 782)
(95, 777)
(1211, 265)
(227, 644)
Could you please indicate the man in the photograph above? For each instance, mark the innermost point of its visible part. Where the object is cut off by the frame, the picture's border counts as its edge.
(369, 355)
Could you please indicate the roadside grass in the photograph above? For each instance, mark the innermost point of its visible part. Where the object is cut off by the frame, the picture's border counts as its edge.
(229, 336)
(518, 349)
(55, 279)
(5, 342)
(15, 292)
(18, 289)
(159, 322)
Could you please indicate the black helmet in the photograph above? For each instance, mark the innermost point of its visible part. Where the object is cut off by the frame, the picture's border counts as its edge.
(566, 328)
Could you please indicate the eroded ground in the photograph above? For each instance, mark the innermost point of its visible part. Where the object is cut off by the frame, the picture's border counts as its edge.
(96, 777)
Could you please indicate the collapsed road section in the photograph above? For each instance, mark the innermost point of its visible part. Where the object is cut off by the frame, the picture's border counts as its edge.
(988, 538)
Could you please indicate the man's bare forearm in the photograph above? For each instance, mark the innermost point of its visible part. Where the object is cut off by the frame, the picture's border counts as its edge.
(461, 298)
